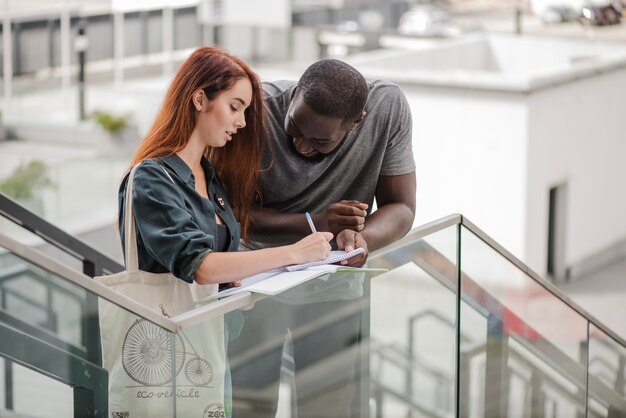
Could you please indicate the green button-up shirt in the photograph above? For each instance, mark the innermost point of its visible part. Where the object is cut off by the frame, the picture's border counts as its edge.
(176, 227)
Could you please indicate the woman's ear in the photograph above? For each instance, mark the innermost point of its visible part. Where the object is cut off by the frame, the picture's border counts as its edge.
(198, 99)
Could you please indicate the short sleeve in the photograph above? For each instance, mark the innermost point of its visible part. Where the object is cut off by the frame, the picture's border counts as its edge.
(398, 158)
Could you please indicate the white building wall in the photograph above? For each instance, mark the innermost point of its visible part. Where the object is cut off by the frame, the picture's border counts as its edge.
(470, 153)
(577, 135)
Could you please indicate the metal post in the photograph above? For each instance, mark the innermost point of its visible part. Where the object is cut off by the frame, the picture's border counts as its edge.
(217, 34)
(255, 31)
(168, 41)
(118, 48)
(15, 48)
(83, 402)
(66, 47)
(584, 359)
(90, 324)
(462, 401)
(7, 64)
(496, 368)
(50, 35)
(537, 396)
(144, 17)
(461, 370)
(8, 384)
(378, 400)
(80, 45)
(518, 20)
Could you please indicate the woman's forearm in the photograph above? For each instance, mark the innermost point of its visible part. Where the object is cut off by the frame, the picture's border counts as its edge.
(225, 267)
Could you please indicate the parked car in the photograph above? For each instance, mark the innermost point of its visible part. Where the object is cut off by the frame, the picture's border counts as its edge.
(600, 15)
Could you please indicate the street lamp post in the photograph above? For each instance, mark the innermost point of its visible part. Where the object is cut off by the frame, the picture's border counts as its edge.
(80, 45)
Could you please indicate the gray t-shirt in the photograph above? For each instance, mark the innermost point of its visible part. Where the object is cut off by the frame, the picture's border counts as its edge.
(379, 145)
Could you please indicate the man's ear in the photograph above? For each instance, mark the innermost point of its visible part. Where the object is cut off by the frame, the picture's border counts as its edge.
(359, 120)
(198, 99)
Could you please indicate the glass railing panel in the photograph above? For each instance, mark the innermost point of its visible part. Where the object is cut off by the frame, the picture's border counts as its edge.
(44, 302)
(342, 344)
(531, 359)
(53, 399)
(607, 375)
(51, 325)
(413, 317)
(30, 239)
(303, 351)
(472, 358)
(80, 197)
(354, 344)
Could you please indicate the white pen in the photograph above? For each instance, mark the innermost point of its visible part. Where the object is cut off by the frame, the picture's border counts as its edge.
(310, 221)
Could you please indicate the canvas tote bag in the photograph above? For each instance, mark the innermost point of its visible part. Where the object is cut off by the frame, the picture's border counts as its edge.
(145, 378)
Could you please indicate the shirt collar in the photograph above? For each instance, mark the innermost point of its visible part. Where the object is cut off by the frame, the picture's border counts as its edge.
(183, 171)
(179, 167)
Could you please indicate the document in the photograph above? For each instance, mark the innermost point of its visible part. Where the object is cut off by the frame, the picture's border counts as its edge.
(275, 281)
(270, 282)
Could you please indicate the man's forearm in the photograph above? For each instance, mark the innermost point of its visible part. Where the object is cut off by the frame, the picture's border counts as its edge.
(387, 224)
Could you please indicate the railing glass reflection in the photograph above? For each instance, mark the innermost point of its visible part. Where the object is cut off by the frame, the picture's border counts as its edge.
(398, 343)
(49, 343)
(607, 372)
(413, 316)
(531, 356)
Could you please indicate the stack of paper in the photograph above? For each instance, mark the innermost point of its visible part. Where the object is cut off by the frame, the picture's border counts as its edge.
(276, 281)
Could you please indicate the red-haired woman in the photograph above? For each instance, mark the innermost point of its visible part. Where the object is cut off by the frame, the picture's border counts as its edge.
(197, 175)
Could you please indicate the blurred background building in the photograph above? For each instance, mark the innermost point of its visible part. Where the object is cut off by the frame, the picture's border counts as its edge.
(518, 110)
(517, 106)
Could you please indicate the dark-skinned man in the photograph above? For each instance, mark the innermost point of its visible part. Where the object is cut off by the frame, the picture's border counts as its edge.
(337, 143)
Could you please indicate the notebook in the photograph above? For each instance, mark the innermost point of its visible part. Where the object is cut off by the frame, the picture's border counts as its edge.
(269, 283)
(334, 257)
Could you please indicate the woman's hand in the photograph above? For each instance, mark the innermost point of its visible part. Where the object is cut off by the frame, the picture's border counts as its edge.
(349, 240)
(234, 284)
(311, 248)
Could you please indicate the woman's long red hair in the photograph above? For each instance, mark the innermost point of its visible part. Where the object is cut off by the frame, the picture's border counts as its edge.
(237, 163)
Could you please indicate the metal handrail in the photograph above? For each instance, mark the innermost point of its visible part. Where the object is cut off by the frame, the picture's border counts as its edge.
(543, 282)
(455, 219)
(94, 262)
(246, 299)
(216, 309)
(82, 280)
(173, 324)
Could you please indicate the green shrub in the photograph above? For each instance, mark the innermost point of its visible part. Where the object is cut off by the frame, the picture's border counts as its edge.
(110, 123)
(25, 180)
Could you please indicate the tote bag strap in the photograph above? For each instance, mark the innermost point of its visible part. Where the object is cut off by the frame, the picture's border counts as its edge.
(130, 238)
(130, 235)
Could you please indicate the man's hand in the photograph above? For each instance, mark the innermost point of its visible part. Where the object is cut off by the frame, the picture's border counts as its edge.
(349, 240)
(346, 214)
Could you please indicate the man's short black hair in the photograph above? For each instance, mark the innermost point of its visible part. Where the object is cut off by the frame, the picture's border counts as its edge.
(333, 88)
